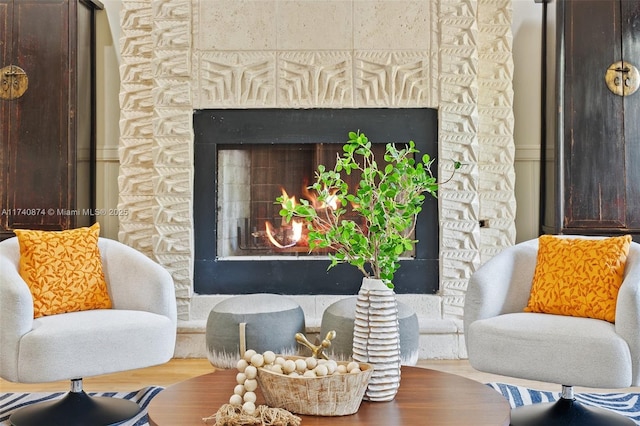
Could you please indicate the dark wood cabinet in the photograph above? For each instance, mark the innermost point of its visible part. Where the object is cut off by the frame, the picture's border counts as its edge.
(48, 133)
(591, 179)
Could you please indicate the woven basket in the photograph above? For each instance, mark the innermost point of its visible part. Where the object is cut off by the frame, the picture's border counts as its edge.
(334, 395)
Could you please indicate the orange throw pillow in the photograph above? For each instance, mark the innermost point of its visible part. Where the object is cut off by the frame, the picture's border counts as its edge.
(63, 270)
(578, 277)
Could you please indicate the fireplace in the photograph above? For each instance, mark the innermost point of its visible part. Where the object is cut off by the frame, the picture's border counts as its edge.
(245, 158)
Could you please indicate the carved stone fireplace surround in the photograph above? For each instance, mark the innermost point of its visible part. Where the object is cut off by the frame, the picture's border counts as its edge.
(453, 55)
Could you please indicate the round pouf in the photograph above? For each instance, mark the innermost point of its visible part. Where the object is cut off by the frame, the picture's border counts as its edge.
(340, 317)
(263, 322)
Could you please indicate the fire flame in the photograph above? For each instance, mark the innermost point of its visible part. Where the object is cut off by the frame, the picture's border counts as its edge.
(331, 203)
(295, 230)
(291, 235)
(296, 234)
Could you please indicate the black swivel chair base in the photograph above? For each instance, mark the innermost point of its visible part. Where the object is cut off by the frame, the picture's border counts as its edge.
(76, 408)
(566, 412)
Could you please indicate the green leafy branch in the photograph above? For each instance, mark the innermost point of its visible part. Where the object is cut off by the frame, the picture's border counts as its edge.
(388, 197)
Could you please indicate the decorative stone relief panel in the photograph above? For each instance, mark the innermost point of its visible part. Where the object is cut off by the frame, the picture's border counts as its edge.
(136, 14)
(172, 151)
(136, 130)
(496, 171)
(434, 54)
(139, 208)
(172, 239)
(135, 70)
(466, 75)
(136, 125)
(180, 265)
(136, 42)
(392, 79)
(136, 181)
(136, 97)
(172, 180)
(155, 112)
(171, 62)
(237, 79)
(137, 234)
(315, 79)
(171, 9)
(458, 100)
(172, 122)
(172, 210)
(136, 152)
(176, 92)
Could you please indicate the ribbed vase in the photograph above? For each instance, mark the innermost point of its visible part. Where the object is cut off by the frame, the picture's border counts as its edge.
(376, 338)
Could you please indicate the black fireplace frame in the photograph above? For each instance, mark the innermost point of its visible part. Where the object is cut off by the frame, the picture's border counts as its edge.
(213, 275)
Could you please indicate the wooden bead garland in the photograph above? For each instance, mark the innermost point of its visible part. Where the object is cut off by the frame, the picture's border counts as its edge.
(244, 393)
(241, 409)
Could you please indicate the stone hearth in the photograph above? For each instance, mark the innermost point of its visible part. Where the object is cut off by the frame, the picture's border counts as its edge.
(456, 56)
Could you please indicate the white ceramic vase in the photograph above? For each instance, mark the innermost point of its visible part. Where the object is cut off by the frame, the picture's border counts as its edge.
(376, 338)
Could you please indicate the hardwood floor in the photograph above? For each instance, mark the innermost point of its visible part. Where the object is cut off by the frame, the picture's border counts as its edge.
(178, 370)
(167, 374)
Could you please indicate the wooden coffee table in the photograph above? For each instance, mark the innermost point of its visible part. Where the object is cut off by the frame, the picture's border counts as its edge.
(426, 397)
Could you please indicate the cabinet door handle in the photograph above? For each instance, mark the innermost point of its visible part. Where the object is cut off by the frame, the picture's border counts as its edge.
(13, 71)
(13, 82)
(622, 78)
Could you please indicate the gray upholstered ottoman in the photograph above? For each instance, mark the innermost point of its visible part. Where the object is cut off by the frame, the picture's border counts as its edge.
(255, 321)
(340, 317)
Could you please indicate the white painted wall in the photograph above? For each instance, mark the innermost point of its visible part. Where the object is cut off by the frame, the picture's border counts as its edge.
(108, 113)
(527, 43)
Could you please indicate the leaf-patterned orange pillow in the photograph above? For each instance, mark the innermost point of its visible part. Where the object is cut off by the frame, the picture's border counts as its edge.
(578, 277)
(63, 270)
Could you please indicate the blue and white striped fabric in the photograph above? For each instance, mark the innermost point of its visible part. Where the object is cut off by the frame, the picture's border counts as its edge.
(627, 404)
(12, 401)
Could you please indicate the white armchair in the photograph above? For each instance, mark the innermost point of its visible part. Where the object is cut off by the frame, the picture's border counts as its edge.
(139, 331)
(503, 339)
